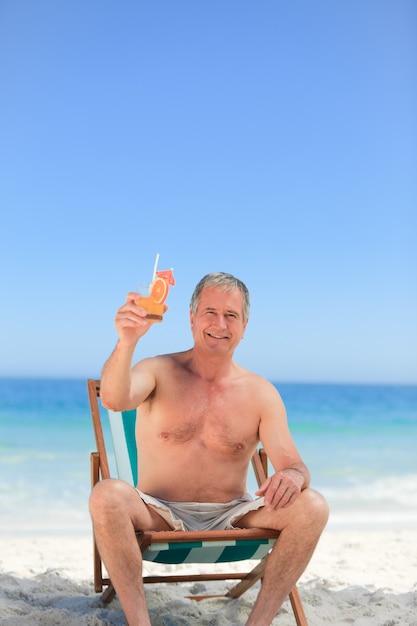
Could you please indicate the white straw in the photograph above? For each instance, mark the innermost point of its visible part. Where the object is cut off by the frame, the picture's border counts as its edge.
(155, 266)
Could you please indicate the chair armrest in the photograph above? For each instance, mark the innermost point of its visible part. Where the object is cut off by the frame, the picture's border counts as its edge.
(94, 468)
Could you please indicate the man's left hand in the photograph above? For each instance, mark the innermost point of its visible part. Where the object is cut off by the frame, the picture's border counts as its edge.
(281, 489)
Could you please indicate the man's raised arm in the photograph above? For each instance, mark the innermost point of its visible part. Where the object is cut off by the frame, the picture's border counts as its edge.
(121, 389)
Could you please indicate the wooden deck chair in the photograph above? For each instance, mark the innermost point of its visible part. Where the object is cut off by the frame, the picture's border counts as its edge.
(175, 547)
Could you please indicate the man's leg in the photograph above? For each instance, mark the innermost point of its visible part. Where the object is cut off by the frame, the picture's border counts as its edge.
(117, 511)
(301, 525)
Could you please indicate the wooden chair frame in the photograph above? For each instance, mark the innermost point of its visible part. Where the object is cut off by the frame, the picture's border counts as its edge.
(100, 471)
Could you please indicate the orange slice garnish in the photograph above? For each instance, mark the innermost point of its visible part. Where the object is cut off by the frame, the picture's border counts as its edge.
(159, 290)
(168, 275)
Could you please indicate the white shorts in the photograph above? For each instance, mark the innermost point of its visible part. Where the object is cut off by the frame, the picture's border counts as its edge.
(202, 515)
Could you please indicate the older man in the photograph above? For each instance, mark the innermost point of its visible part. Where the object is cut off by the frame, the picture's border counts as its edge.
(200, 417)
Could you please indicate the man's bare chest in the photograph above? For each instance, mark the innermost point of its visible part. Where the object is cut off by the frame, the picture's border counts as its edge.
(223, 420)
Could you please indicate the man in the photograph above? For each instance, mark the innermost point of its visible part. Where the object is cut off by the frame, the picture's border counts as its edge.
(200, 417)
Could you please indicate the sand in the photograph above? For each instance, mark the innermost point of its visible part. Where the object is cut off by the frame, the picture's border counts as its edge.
(356, 578)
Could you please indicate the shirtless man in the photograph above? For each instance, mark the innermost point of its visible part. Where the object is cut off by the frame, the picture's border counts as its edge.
(200, 417)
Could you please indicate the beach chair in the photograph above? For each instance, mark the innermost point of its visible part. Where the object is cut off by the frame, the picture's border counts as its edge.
(178, 547)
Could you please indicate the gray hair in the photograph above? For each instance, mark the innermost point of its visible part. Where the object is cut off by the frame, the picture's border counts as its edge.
(223, 282)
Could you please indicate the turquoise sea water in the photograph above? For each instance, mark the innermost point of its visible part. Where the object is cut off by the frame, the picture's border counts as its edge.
(359, 442)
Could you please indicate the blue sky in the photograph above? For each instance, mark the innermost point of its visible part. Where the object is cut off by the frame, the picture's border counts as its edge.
(274, 140)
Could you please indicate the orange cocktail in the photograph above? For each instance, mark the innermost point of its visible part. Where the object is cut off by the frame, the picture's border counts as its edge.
(153, 295)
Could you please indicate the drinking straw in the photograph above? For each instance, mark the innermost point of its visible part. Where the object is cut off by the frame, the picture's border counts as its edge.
(155, 266)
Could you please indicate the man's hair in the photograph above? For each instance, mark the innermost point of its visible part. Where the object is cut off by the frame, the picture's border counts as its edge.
(223, 282)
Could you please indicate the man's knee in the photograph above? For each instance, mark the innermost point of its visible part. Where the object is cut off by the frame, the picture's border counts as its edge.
(108, 496)
(315, 507)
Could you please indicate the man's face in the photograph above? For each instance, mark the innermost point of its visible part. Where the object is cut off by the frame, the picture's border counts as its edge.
(218, 324)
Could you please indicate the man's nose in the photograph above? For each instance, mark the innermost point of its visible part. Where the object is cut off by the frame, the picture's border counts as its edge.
(222, 321)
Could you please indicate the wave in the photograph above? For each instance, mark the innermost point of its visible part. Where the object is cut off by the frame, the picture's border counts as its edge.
(385, 494)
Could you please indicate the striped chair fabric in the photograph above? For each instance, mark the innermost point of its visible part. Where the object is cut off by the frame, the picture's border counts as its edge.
(224, 551)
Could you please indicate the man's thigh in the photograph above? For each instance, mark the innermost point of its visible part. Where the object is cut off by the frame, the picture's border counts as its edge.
(124, 501)
(145, 517)
(277, 519)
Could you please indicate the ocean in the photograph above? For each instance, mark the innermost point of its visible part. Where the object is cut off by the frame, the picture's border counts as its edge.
(359, 442)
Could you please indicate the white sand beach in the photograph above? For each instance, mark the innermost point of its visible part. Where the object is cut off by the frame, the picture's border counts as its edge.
(356, 577)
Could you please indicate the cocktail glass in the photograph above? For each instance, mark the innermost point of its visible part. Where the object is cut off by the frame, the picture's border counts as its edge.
(154, 294)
